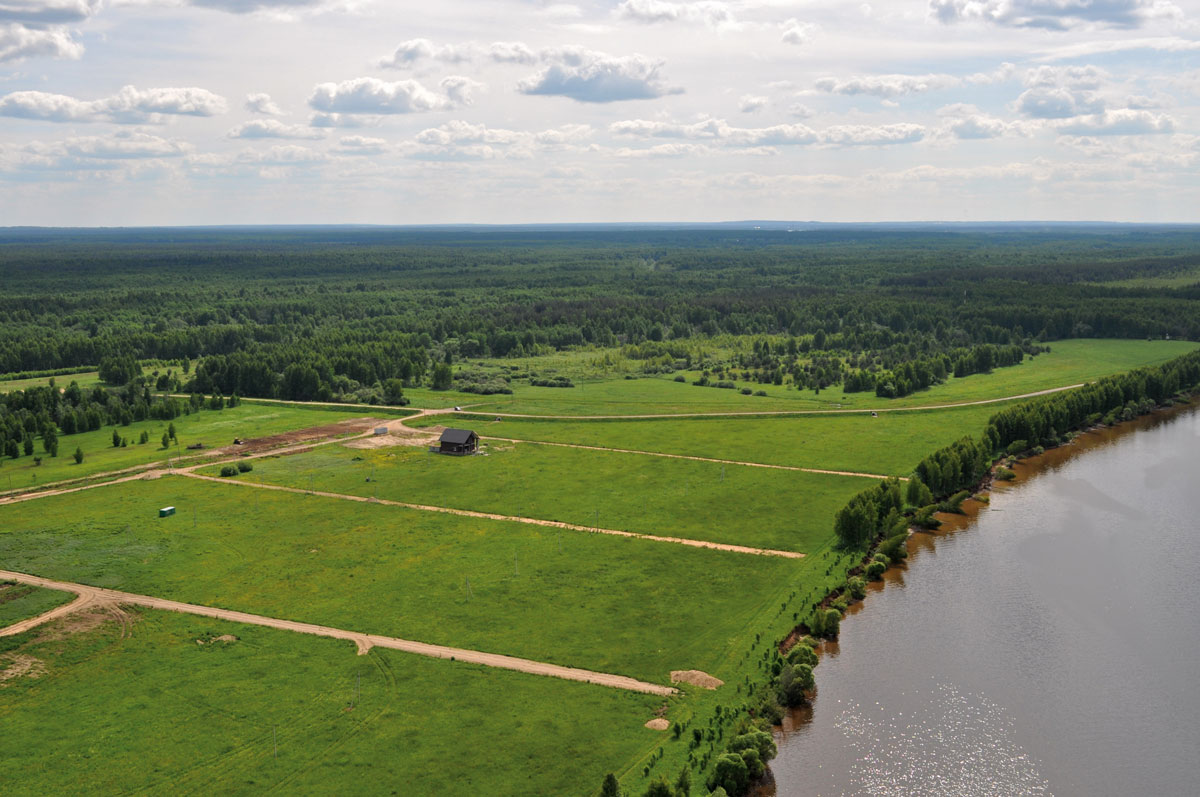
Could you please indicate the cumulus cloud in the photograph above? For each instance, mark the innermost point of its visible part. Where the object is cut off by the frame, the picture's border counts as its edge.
(18, 43)
(720, 131)
(262, 103)
(461, 140)
(1124, 122)
(361, 145)
(1056, 103)
(796, 32)
(589, 76)
(410, 53)
(128, 106)
(368, 95)
(886, 86)
(749, 103)
(92, 153)
(1055, 14)
(713, 14)
(273, 128)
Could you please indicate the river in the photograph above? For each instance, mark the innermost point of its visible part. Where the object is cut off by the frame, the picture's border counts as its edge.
(1048, 643)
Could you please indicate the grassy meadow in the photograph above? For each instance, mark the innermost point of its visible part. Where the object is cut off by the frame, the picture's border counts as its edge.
(271, 710)
(598, 393)
(20, 602)
(760, 507)
(600, 602)
(212, 427)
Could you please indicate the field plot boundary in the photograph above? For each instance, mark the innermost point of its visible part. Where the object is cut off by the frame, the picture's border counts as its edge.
(716, 546)
(695, 458)
(89, 595)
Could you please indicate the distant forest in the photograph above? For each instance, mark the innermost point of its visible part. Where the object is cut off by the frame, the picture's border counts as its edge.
(312, 313)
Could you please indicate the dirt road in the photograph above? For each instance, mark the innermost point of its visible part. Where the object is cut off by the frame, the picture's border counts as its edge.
(716, 546)
(99, 596)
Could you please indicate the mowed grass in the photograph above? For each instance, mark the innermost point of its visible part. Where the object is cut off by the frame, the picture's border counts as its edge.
(1069, 362)
(159, 712)
(760, 507)
(214, 428)
(891, 444)
(595, 601)
(20, 602)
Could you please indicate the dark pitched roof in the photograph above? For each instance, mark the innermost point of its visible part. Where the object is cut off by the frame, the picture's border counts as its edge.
(457, 437)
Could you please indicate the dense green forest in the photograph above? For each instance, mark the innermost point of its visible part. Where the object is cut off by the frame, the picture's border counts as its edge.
(318, 313)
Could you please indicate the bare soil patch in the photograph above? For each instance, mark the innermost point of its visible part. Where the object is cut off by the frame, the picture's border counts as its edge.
(77, 623)
(20, 666)
(695, 678)
(398, 435)
(259, 444)
(658, 724)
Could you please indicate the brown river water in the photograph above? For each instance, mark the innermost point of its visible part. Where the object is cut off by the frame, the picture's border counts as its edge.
(1047, 643)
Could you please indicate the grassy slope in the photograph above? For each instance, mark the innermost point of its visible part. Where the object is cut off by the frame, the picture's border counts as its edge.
(893, 443)
(589, 600)
(1069, 362)
(651, 495)
(157, 711)
(210, 427)
(20, 602)
(84, 378)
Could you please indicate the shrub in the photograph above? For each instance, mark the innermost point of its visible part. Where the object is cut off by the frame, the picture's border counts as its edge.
(882, 557)
(245, 467)
(857, 589)
(229, 470)
(875, 570)
(803, 654)
(954, 503)
(924, 519)
(1004, 474)
(747, 391)
(680, 378)
(1016, 447)
(553, 381)
(794, 682)
(729, 773)
(726, 385)
(760, 392)
(78, 456)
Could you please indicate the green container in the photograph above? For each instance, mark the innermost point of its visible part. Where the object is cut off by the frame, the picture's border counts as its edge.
(166, 511)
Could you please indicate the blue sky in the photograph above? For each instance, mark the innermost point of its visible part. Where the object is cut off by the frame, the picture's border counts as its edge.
(130, 112)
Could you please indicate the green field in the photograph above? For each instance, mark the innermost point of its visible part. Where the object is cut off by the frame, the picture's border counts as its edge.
(157, 711)
(20, 602)
(760, 507)
(891, 444)
(595, 601)
(211, 427)
(84, 378)
(1069, 362)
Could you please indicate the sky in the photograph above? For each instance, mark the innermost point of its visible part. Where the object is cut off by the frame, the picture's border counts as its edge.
(195, 112)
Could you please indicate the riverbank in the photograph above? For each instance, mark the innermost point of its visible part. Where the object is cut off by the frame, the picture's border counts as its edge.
(972, 618)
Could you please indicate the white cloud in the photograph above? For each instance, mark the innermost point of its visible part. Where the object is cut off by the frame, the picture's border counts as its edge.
(749, 103)
(252, 6)
(368, 95)
(409, 54)
(459, 140)
(128, 106)
(588, 76)
(262, 103)
(42, 13)
(281, 155)
(91, 153)
(273, 128)
(1047, 103)
(1124, 122)
(1055, 14)
(361, 145)
(887, 86)
(711, 13)
(796, 32)
(873, 135)
(18, 43)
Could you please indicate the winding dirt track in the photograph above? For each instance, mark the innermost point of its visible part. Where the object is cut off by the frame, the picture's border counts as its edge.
(716, 546)
(99, 596)
(694, 459)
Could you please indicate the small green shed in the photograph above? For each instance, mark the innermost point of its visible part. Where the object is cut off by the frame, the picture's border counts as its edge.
(166, 511)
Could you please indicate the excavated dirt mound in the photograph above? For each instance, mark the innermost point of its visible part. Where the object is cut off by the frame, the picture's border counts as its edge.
(658, 724)
(695, 678)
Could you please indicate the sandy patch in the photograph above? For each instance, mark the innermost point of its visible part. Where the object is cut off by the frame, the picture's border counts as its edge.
(77, 623)
(20, 666)
(658, 724)
(398, 435)
(695, 678)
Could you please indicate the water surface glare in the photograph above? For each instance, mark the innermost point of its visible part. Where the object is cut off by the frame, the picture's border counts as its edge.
(1050, 644)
